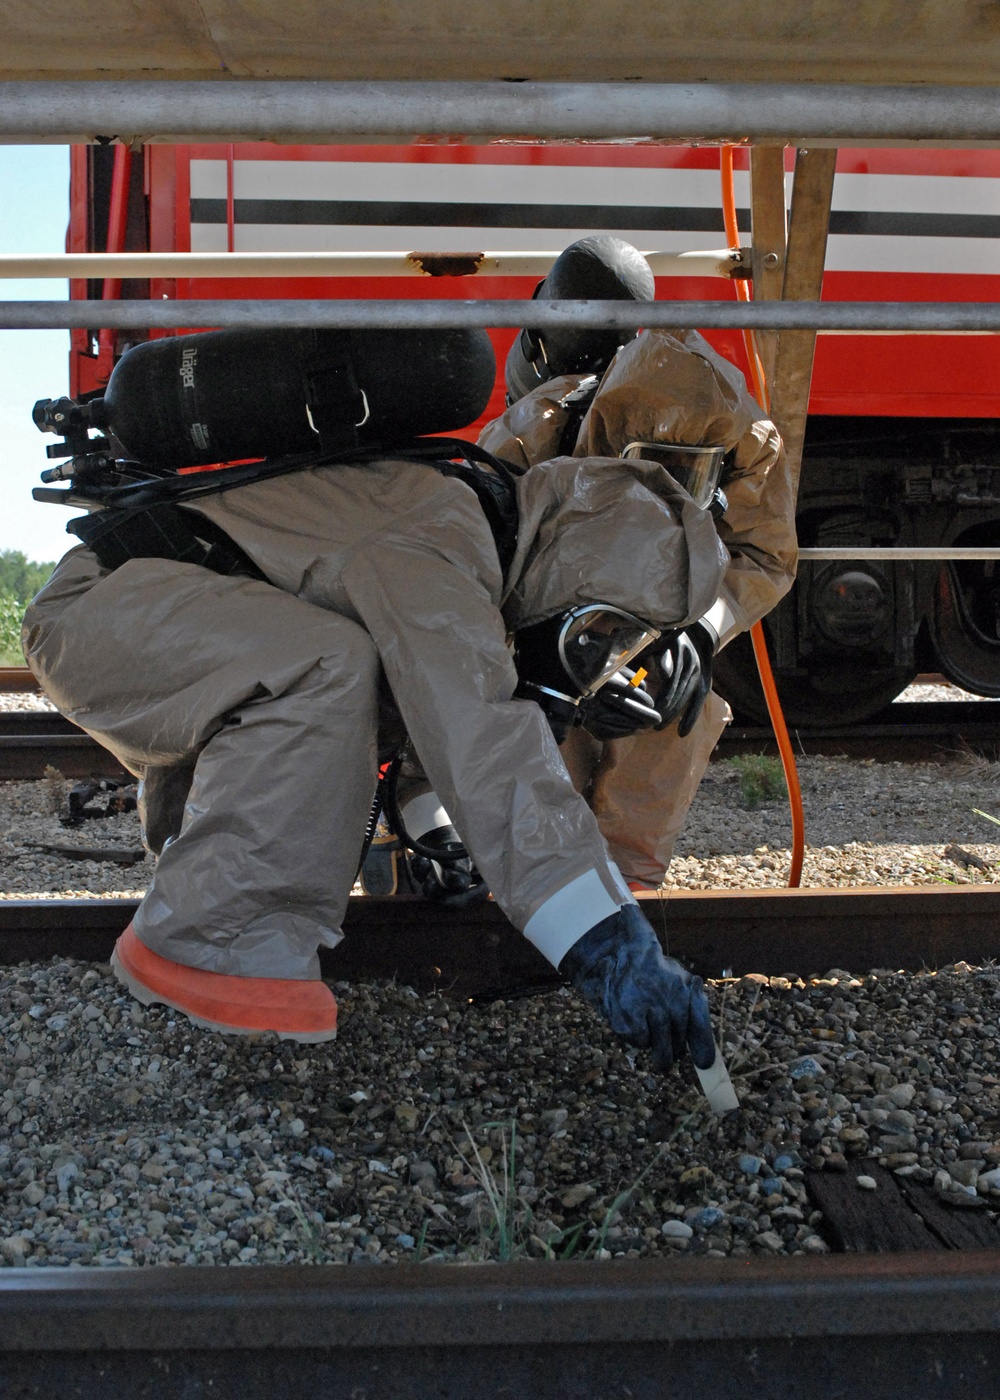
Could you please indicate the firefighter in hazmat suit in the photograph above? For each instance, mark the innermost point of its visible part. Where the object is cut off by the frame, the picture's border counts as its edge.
(383, 573)
(662, 387)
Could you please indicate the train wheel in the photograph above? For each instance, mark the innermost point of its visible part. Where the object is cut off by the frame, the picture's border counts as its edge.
(965, 624)
(841, 692)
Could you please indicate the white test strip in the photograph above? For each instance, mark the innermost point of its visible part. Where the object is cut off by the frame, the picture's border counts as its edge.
(717, 1086)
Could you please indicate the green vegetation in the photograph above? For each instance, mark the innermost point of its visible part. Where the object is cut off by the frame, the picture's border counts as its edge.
(761, 778)
(20, 580)
(20, 575)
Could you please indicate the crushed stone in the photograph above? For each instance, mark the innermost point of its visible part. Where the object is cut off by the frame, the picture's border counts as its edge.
(128, 1137)
(867, 823)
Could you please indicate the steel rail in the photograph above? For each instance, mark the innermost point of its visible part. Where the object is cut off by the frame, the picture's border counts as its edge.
(975, 318)
(33, 741)
(18, 679)
(924, 731)
(970, 317)
(476, 953)
(858, 1328)
(898, 553)
(712, 263)
(144, 110)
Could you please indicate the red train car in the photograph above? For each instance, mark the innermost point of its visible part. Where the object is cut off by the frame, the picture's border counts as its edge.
(902, 445)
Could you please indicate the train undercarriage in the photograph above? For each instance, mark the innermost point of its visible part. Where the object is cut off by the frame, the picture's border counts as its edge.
(851, 635)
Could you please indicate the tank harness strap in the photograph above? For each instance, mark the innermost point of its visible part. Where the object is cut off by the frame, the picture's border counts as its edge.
(493, 481)
(497, 503)
(575, 405)
(154, 526)
(161, 531)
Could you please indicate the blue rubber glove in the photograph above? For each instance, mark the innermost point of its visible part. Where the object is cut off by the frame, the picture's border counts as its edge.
(650, 1000)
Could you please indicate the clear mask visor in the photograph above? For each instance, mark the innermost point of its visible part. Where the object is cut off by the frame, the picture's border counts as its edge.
(697, 469)
(596, 641)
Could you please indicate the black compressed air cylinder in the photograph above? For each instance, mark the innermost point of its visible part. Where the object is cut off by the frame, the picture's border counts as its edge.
(223, 396)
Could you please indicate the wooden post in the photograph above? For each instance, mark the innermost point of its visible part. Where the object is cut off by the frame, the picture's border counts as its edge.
(767, 202)
(809, 222)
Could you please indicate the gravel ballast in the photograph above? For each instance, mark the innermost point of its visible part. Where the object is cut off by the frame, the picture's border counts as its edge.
(128, 1137)
(866, 824)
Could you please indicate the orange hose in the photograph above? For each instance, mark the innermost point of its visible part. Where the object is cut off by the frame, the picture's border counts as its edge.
(757, 630)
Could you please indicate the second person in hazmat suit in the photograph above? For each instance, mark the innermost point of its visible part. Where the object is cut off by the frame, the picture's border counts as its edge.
(366, 576)
(661, 387)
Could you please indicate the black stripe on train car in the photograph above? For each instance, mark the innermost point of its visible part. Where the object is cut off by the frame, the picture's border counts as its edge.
(866, 221)
(693, 219)
(432, 214)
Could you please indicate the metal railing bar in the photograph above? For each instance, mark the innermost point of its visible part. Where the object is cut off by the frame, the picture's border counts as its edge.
(529, 263)
(891, 553)
(929, 317)
(143, 110)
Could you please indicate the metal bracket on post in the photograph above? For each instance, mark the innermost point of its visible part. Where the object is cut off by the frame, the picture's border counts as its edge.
(767, 203)
(808, 226)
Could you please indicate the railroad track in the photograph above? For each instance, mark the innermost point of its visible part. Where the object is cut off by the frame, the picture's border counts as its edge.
(475, 952)
(856, 1325)
(33, 740)
(875, 1328)
(906, 731)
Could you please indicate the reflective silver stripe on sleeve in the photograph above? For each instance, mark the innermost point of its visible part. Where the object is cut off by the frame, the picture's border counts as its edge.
(721, 617)
(424, 814)
(564, 918)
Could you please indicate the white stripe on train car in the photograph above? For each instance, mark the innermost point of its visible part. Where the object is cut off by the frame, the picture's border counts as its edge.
(570, 184)
(370, 183)
(481, 184)
(917, 194)
(859, 252)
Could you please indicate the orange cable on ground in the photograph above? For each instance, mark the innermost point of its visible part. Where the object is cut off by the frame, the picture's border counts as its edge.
(757, 630)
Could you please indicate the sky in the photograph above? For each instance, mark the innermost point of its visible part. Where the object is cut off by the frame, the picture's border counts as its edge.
(34, 213)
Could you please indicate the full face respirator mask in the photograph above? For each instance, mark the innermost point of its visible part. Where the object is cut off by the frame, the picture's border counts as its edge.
(698, 469)
(566, 659)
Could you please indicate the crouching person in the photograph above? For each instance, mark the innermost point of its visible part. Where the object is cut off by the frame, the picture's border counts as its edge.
(658, 396)
(388, 566)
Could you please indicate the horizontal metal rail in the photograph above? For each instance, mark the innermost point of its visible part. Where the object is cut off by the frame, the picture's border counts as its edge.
(714, 263)
(18, 678)
(255, 110)
(972, 317)
(32, 741)
(891, 1326)
(476, 952)
(891, 553)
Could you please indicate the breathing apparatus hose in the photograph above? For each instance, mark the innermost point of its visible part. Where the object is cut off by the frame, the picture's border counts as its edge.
(757, 630)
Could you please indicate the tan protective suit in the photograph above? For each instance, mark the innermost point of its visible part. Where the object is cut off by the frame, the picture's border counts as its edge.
(667, 386)
(382, 570)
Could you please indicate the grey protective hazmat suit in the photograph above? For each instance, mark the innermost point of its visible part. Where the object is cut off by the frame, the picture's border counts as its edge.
(668, 386)
(383, 572)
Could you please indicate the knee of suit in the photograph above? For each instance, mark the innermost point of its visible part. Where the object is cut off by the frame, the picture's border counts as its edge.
(347, 672)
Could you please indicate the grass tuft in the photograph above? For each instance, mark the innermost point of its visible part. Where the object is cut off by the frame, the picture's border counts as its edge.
(760, 777)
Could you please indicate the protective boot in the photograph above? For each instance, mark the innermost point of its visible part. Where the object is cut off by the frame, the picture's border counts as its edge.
(304, 1011)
